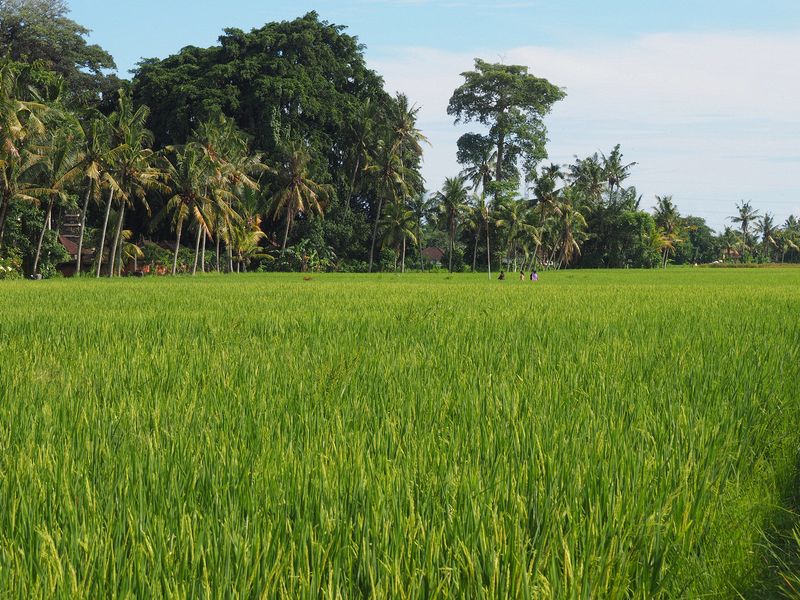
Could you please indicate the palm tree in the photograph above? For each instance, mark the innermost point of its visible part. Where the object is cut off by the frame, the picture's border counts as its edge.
(452, 204)
(245, 237)
(19, 123)
(729, 240)
(95, 169)
(132, 164)
(398, 225)
(231, 168)
(391, 182)
(767, 230)
(480, 173)
(394, 175)
(422, 207)
(588, 177)
(516, 218)
(185, 174)
(61, 165)
(747, 214)
(572, 230)
(615, 170)
(296, 193)
(668, 220)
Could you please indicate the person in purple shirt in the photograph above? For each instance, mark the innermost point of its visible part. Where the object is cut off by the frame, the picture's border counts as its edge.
(534, 275)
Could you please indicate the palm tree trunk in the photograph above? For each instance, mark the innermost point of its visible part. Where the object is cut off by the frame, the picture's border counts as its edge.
(403, 267)
(83, 229)
(41, 235)
(103, 235)
(375, 233)
(285, 235)
(353, 180)
(203, 256)
(475, 251)
(117, 236)
(197, 248)
(120, 260)
(452, 243)
(3, 213)
(488, 252)
(177, 247)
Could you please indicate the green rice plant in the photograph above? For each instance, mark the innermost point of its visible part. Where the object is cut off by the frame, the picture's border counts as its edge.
(593, 435)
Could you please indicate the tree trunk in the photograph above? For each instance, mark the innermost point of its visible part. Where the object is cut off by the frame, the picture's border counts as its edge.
(83, 229)
(121, 259)
(501, 144)
(353, 180)
(285, 235)
(403, 264)
(375, 233)
(103, 235)
(41, 236)
(452, 243)
(116, 240)
(197, 248)
(475, 251)
(203, 256)
(177, 247)
(488, 252)
(218, 251)
(3, 213)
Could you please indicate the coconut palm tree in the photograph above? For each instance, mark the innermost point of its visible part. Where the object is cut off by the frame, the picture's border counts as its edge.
(767, 229)
(95, 169)
(132, 164)
(20, 123)
(185, 173)
(60, 169)
(391, 180)
(296, 193)
(480, 173)
(747, 215)
(397, 225)
(571, 228)
(668, 220)
(615, 170)
(452, 201)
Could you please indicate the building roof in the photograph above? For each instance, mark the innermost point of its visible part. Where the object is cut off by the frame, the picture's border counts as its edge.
(433, 254)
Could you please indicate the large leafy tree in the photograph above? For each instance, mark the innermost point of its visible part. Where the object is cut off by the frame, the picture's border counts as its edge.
(304, 79)
(512, 104)
(40, 30)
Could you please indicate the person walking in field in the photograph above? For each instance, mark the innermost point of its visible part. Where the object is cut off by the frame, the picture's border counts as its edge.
(534, 275)
(502, 276)
(522, 275)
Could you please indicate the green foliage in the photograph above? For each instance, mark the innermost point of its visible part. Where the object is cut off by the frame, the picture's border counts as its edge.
(512, 103)
(11, 266)
(39, 31)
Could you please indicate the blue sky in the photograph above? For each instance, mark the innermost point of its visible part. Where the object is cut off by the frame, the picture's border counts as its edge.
(703, 94)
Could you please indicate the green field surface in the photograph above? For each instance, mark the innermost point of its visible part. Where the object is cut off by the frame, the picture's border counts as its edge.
(619, 434)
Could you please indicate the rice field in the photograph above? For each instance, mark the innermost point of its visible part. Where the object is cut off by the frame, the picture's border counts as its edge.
(593, 435)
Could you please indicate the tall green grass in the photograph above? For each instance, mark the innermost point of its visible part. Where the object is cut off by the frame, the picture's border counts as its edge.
(595, 435)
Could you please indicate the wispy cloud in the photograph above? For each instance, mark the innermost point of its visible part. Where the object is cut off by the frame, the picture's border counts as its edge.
(710, 117)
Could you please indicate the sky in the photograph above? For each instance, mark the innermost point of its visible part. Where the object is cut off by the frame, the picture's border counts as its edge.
(703, 94)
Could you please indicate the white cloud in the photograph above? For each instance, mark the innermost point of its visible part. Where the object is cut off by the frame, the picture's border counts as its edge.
(712, 118)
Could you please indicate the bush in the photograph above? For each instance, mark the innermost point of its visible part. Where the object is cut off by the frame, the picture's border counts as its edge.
(11, 266)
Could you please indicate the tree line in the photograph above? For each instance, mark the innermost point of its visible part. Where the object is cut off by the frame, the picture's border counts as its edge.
(278, 149)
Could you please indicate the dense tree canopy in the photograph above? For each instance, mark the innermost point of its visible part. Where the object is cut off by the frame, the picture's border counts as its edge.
(40, 30)
(512, 104)
(282, 150)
